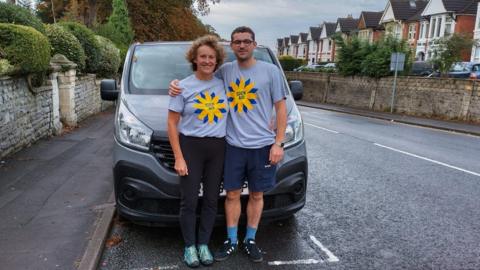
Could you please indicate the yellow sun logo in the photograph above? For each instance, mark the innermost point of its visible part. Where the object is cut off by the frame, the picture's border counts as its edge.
(209, 108)
(242, 95)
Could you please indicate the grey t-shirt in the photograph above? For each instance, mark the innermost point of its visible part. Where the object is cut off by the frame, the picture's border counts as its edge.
(203, 107)
(251, 93)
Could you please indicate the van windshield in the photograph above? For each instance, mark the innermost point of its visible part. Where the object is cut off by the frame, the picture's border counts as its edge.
(155, 66)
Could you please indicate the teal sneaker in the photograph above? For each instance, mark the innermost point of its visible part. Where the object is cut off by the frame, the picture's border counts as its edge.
(206, 257)
(190, 257)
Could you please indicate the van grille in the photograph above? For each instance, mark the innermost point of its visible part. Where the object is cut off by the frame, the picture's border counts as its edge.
(163, 152)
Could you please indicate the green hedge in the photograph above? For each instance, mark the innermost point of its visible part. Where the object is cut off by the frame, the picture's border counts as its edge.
(10, 13)
(89, 43)
(63, 42)
(25, 48)
(109, 60)
(289, 63)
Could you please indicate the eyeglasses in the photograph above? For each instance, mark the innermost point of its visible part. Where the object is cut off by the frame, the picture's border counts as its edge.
(247, 42)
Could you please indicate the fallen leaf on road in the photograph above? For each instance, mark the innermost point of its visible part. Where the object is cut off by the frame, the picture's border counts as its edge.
(113, 241)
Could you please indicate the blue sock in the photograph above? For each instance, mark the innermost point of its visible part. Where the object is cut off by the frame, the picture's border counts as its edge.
(232, 234)
(251, 233)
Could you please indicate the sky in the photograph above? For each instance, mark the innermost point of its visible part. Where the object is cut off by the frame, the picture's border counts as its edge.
(272, 19)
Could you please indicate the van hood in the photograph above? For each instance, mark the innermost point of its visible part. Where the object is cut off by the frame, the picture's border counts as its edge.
(152, 110)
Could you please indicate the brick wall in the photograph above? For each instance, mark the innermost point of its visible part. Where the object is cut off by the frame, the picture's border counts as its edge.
(450, 99)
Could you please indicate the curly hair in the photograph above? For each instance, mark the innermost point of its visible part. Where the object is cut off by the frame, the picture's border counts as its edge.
(210, 41)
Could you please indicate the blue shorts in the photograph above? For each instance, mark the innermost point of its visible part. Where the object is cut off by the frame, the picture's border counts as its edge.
(248, 165)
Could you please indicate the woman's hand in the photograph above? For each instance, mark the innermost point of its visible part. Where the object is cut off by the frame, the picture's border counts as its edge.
(181, 167)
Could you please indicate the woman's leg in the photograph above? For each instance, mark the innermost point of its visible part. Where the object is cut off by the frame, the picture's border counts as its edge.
(213, 172)
(189, 186)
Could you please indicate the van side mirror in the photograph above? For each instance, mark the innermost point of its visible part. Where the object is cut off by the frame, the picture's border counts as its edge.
(297, 89)
(108, 89)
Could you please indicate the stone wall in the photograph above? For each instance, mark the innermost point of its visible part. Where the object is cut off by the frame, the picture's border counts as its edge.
(87, 97)
(450, 99)
(28, 114)
(25, 116)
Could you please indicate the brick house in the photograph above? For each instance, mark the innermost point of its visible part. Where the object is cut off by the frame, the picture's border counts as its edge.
(475, 57)
(302, 46)
(442, 18)
(369, 28)
(279, 47)
(313, 41)
(293, 48)
(327, 46)
(398, 18)
(286, 45)
(347, 28)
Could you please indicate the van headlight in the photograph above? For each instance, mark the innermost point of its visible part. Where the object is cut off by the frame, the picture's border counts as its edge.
(294, 130)
(130, 131)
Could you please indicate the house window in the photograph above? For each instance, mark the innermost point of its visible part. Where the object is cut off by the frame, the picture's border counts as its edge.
(398, 31)
(432, 27)
(411, 31)
(448, 26)
(477, 53)
(425, 34)
(421, 35)
(439, 24)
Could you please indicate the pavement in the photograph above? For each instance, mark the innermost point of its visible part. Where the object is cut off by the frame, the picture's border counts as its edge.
(54, 196)
(460, 127)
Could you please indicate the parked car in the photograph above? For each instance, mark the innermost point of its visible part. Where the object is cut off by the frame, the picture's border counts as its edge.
(330, 65)
(421, 68)
(309, 67)
(463, 69)
(145, 183)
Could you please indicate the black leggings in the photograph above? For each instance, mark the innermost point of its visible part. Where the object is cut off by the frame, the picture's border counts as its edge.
(204, 158)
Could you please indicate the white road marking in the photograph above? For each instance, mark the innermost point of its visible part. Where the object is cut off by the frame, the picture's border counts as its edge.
(331, 257)
(322, 128)
(427, 159)
(168, 267)
(308, 261)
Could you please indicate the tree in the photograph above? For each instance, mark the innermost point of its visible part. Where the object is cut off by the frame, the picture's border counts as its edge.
(450, 50)
(350, 55)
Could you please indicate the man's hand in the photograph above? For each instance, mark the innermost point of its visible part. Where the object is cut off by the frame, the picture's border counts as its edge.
(173, 89)
(276, 154)
(181, 167)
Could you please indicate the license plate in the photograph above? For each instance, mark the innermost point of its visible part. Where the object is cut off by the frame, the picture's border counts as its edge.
(223, 192)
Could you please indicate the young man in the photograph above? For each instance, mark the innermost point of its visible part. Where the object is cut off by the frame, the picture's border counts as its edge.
(253, 149)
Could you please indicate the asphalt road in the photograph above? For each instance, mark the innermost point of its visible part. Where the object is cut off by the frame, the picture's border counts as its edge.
(381, 195)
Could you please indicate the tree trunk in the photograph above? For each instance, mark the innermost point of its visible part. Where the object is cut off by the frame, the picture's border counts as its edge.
(92, 13)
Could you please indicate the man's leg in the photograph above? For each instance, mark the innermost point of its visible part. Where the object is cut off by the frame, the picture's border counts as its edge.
(254, 213)
(233, 209)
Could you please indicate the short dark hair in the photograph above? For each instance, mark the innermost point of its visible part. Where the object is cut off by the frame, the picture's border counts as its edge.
(243, 29)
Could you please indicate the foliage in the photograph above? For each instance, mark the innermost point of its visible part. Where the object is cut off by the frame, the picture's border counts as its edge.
(164, 20)
(89, 43)
(109, 60)
(289, 63)
(451, 50)
(63, 42)
(25, 48)
(350, 56)
(49, 15)
(5, 67)
(373, 60)
(118, 28)
(10, 13)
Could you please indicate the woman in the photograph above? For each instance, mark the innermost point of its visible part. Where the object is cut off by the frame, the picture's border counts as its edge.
(196, 129)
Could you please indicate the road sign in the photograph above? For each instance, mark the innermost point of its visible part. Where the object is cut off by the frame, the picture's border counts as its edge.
(397, 61)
